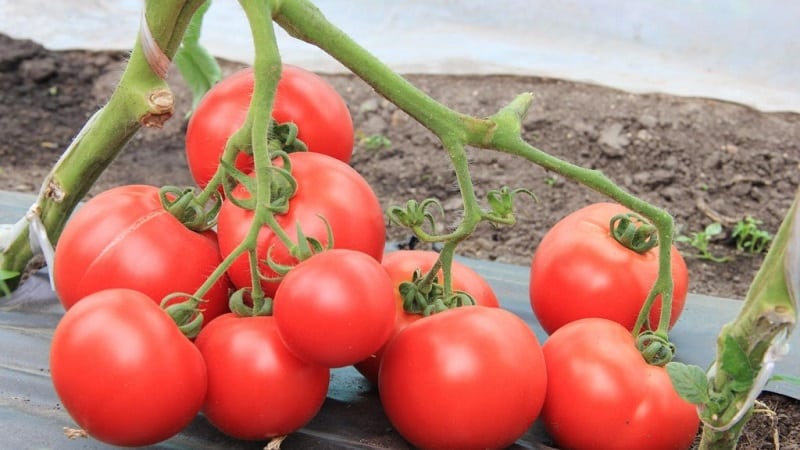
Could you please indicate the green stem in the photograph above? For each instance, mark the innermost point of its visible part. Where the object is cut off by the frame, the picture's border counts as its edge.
(304, 21)
(254, 134)
(140, 99)
(301, 19)
(232, 148)
(663, 286)
(267, 70)
(715, 440)
(755, 339)
(446, 257)
(256, 291)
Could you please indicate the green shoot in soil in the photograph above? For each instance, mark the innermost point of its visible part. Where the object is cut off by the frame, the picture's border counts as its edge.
(702, 240)
(750, 237)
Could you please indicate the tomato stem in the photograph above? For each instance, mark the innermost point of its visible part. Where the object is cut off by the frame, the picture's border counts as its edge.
(254, 134)
(141, 98)
(511, 142)
(502, 132)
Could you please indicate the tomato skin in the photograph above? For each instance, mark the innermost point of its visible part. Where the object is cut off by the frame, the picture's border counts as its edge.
(468, 378)
(124, 371)
(579, 271)
(401, 264)
(335, 308)
(257, 389)
(302, 97)
(123, 238)
(326, 187)
(601, 393)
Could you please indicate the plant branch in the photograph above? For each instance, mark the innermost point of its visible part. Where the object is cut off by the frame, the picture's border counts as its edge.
(141, 98)
(304, 21)
(502, 131)
(749, 346)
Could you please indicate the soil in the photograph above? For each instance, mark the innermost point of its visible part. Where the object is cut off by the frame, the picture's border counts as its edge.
(702, 160)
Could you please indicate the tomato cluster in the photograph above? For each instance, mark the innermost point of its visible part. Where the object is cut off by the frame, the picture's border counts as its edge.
(128, 272)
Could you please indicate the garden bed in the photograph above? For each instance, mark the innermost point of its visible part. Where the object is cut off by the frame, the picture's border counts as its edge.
(702, 160)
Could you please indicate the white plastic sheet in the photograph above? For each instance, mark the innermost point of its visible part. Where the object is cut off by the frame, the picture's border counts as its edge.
(737, 50)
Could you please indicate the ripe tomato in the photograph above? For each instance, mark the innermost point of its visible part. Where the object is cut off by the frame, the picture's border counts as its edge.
(326, 188)
(335, 308)
(470, 377)
(257, 389)
(579, 270)
(401, 265)
(602, 394)
(304, 98)
(123, 238)
(124, 371)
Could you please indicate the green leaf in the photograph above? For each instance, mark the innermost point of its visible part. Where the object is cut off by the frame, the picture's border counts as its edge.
(6, 275)
(690, 382)
(197, 66)
(713, 229)
(787, 378)
(736, 363)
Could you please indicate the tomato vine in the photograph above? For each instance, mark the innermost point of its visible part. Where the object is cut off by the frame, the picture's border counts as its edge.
(143, 99)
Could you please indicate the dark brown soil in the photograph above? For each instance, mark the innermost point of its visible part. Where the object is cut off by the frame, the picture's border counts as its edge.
(702, 160)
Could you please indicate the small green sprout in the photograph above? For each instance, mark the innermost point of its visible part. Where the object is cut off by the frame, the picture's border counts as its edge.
(701, 240)
(374, 141)
(750, 237)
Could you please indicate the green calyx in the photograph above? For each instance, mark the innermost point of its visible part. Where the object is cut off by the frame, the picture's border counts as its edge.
(244, 304)
(634, 232)
(282, 185)
(656, 349)
(283, 136)
(186, 314)
(426, 297)
(185, 206)
(501, 205)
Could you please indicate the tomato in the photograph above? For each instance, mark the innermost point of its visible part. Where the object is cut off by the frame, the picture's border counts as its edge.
(327, 188)
(304, 98)
(472, 377)
(257, 389)
(579, 270)
(124, 238)
(124, 371)
(401, 265)
(335, 308)
(602, 394)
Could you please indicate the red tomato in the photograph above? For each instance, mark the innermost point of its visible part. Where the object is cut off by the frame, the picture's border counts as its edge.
(579, 270)
(472, 377)
(335, 308)
(123, 238)
(124, 371)
(257, 389)
(304, 98)
(326, 188)
(602, 394)
(401, 265)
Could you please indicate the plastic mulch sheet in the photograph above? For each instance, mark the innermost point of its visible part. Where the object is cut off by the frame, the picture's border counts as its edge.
(351, 417)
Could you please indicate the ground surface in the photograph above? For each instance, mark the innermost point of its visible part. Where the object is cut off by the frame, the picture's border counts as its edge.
(702, 160)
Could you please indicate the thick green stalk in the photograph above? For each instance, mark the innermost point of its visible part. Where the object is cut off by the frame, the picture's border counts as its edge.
(141, 98)
(748, 347)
